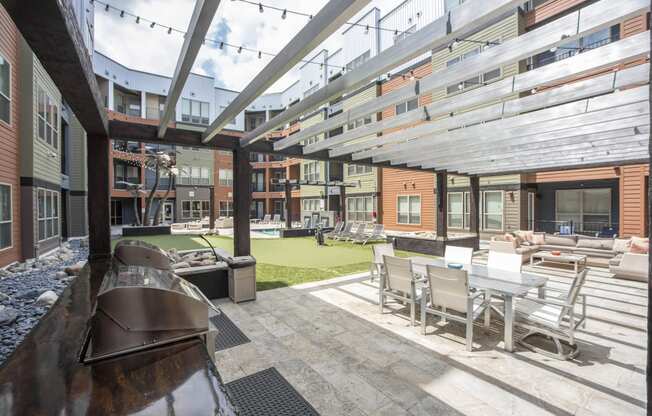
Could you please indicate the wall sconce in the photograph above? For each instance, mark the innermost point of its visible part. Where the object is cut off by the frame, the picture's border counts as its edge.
(511, 196)
(414, 185)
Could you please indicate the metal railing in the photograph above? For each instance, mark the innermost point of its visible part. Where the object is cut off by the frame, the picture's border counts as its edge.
(570, 53)
(595, 229)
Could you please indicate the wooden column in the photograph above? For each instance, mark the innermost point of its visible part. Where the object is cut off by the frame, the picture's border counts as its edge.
(442, 205)
(648, 373)
(99, 197)
(288, 205)
(241, 202)
(213, 208)
(474, 209)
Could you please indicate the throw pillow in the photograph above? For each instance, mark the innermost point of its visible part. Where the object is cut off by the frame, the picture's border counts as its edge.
(622, 245)
(640, 248)
(539, 239)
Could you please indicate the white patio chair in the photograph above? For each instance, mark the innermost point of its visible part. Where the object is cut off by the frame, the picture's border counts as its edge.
(276, 219)
(462, 255)
(266, 219)
(449, 297)
(504, 261)
(335, 231)
(399, 282)
(357, 233)
(377, 263)
(553, 317)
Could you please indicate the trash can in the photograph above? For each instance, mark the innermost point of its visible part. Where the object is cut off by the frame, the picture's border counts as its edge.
(242, 278)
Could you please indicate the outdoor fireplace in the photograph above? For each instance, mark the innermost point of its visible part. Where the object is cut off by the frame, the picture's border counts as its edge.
(141, 308)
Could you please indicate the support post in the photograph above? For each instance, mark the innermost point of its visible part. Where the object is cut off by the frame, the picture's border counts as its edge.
(474, 209)
(99, 196)
(442, 205)
(288, 205)
(648, 373)
(343, 203)
(213, 208)
(241, 202)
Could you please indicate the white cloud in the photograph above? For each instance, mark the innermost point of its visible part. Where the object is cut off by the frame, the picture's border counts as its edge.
(153, 50)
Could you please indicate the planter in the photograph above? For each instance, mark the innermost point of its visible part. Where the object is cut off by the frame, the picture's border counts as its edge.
(137, 231)
(433, 247)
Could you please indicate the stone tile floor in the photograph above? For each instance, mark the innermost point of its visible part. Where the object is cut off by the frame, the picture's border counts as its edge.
(329, 340)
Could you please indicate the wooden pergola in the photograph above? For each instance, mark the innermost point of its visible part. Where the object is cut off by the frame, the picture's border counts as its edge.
(520, 124)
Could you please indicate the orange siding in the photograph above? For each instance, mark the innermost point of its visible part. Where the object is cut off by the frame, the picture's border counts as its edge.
(574, 175)
(397, 182)
(9, 140)
(548, 10)
(633, 200)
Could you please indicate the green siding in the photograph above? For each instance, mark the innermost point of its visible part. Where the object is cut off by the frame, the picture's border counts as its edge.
(78, 154)
(367, 182)
(313, 191)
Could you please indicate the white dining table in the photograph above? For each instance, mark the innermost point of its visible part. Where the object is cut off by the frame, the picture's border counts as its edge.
(504, 283)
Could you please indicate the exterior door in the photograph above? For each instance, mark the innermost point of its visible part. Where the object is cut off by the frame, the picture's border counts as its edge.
(168, 212)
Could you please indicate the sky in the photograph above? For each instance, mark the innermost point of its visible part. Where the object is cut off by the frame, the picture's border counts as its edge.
(138, 46)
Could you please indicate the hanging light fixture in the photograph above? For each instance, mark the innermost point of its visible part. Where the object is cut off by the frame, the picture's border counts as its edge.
(260, 54)
(240, 49)
(137, 19)
(221, 45)
(106, 8)
(152, 25)
(122, 13)
(169, 30)
(285, 14)
(366, 30)
(260, 7)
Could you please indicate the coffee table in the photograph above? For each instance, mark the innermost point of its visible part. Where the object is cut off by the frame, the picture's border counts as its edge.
(578, 261)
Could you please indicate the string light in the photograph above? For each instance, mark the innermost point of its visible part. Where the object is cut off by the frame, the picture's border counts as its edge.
(260, 7)
(220, 43)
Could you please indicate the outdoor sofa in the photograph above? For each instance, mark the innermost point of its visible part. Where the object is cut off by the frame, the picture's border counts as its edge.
(601, 252)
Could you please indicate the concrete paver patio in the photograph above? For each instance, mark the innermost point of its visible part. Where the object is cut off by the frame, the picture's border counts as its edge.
(330, 342)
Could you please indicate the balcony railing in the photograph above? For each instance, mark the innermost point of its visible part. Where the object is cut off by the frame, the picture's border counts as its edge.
(569, 53)
(128, 147)
(594, 229)
(193, 181)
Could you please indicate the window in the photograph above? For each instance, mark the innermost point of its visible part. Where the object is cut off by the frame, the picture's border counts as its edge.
(472, 82)
(258, 182)
(48, 214)
(311, 171)
(358, 169)
(310, 90)
(359, 208)
(195, 209)
(311, 140)
(358, 61)
(226, 177)
(456, 209)
(5, 90)
(125, 173)
(409, 209)
(312, 205)
(194, 175)
(407, 106)
(232, 121)
(5, 216)
(358, 123)
(492, 210)
(226, 209)
(48, 118)
(400, 36)
(196, 112)
(588, 209)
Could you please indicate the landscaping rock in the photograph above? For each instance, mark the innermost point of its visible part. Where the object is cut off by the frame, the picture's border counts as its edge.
(75, 269)
(28, 294)
(180, 265)
(7, 316)
(61, 275)
(4, 297)
(47, 298)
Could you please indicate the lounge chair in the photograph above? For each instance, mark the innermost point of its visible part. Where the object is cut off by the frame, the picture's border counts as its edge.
(553, 317)
(266, 219)
(346, 231)
(399, 282)
(377, 234)
(377, 263)
(194, 226)
(335, 231)
(178, 226)
(357, 232)
(449, 297)
(462, 255)
(277, 219)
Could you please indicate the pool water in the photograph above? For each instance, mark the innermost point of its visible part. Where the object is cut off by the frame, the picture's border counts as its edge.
(273, 232)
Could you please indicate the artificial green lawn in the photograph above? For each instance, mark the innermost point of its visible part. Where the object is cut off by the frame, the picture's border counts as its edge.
(284, 261)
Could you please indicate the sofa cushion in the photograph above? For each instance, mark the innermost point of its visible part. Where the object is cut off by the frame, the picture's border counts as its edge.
(594, 252)
(526, 249)
(616, 260)
(599, 243)
(524, 235)
(539, 239)
(622, 245)
(557, 240)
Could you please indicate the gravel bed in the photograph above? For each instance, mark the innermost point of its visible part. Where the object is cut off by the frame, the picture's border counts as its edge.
(28, 290)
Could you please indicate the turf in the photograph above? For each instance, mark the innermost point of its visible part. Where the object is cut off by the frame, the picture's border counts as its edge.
(284, 261)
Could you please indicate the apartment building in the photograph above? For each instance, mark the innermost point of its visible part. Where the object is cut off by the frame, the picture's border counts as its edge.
(42, 151)
(581, 200)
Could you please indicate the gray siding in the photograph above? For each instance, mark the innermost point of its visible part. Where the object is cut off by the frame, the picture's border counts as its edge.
(77, 216)
(78, 153)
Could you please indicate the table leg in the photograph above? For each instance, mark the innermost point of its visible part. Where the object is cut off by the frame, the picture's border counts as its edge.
(509, 324)
(542, 292)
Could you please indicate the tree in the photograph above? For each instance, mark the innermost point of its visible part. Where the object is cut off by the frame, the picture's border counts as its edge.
(136, 190)
(161, 163)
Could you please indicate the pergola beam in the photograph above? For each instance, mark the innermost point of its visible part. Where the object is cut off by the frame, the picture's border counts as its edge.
(534, 122)
(200, 22)
(459, 22)
(573, 26)
(329, 19)
(50, 28)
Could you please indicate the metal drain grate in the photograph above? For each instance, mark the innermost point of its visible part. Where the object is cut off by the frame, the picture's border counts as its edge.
(228, 335)
(267, 392)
